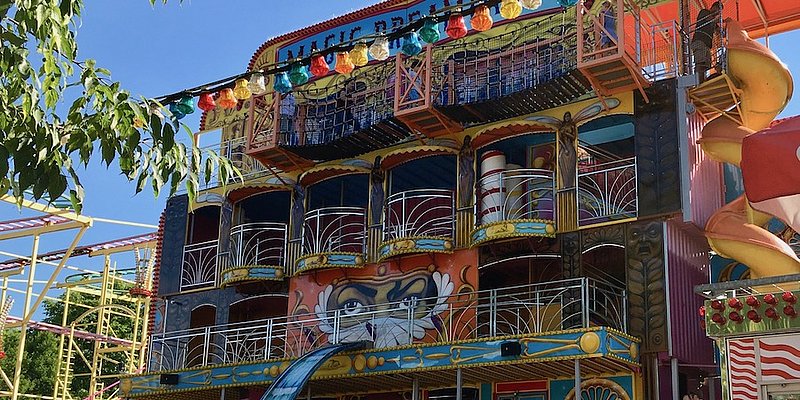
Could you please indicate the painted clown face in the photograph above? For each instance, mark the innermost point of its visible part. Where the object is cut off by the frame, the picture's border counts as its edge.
(388, 312)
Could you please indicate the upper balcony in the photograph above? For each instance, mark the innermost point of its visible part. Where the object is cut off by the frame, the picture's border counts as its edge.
(257, 252)
(530, 309)
(515, 203)
(418, 221)
(473, 80)
(607, 192)
(333, 237)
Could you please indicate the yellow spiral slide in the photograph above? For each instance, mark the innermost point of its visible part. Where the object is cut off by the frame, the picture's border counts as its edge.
(765, 86)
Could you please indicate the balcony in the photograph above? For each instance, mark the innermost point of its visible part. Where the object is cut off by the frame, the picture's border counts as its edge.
(607, 192)
(528, 69)
(610, 46)
(515, 203)
(418, 221)
(257, 252)
(199, 267)
(523, 71)
(531, 309)
(333, 237)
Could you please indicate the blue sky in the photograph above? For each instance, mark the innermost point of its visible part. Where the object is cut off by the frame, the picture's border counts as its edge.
(163, 49)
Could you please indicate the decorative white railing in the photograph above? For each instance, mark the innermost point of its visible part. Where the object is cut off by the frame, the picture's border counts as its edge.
(233, 150)
(258, 243)
(199, 267)
(335, 230)
(543, 307)
(420, 213)
(516, 194)
(607, 192)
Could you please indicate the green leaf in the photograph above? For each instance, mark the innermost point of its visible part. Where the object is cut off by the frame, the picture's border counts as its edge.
(168, 138)
(76, 200)
(3, 161)
(56, 187)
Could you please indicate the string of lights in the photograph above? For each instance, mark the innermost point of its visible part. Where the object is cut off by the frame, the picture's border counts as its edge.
(227, 92)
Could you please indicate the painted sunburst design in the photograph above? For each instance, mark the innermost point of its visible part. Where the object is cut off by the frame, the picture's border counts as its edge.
(599, 389)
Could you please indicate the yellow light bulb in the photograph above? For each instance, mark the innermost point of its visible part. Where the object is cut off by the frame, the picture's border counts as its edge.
(359, 55)
(240, 91)
(510, 9)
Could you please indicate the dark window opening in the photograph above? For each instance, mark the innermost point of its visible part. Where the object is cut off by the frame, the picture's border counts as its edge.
(203, 225)
(341, 191)
(256, 308)
(264, 207)
(435, 172)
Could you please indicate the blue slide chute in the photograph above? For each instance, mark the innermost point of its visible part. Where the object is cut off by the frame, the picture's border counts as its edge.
(291, 381)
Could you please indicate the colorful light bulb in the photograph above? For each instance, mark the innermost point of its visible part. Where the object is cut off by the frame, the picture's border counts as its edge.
(343, 63)
(206, 102)
(282, 83)
(411, 44)
(429, 33)
(298, 74)
(567, 3)
(256, 85)
(510, 9)
(359, 56)
(379, 49)
(456, 28)
(319, 67)
(226, 98)
(531, 4)
(241, 91)
(481, 19)
(185, 105)
(176, 112)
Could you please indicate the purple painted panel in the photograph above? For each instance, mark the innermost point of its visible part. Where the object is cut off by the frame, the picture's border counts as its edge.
(706, 188)
(688, 266)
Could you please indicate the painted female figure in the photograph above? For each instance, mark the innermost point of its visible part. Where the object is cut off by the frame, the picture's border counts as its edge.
(298, 210)
(466, 173)
(567, 153)
(377, 194)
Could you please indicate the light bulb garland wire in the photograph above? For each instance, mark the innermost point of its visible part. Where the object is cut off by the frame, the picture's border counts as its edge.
(439, 16)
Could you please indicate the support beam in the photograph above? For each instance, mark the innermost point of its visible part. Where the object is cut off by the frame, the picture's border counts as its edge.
(459, 384)
(673, 362)
(24, 328)
(577, 379)
(28, 309)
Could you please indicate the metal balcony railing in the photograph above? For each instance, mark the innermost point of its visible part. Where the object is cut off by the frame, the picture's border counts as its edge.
(318, 115)
(607, 192)
(258, 243)
(199, 267)
(335, 230)
(610, 29)
(519, 310)
(502, 65)
(233, 150)
(661, 57)
(420, 213)
(516, 194)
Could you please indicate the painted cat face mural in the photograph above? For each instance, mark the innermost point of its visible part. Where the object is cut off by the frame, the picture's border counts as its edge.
(388, 311)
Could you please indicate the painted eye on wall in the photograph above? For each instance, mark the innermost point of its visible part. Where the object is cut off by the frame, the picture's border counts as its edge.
(353, 307)
(407, 302)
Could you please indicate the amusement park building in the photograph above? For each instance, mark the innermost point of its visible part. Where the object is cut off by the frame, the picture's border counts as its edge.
(513, 214)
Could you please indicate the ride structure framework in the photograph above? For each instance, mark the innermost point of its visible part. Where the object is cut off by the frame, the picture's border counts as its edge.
(107, 338)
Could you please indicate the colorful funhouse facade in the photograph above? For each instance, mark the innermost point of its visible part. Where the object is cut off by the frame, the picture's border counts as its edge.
(506, 203)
